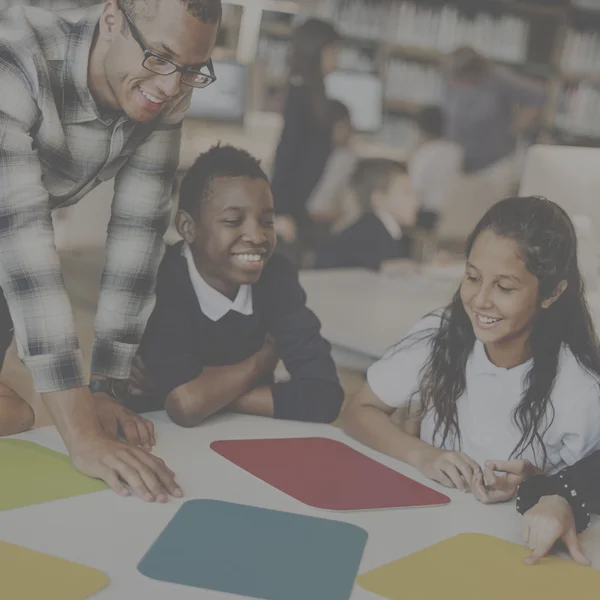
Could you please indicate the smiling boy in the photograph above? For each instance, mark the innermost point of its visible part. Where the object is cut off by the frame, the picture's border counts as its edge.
(228, 309)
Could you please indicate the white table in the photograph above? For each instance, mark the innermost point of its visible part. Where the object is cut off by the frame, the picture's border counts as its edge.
(112, 534)
(363, 313)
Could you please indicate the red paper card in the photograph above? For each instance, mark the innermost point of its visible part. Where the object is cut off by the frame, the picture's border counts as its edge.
(327, 474)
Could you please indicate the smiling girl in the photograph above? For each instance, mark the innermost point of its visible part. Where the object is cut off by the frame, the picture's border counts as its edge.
(510, 369)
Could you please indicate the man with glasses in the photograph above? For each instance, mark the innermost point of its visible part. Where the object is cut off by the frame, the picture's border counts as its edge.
(97, 94)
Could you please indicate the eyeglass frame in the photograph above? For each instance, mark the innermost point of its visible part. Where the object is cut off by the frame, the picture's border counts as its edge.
(137, 36)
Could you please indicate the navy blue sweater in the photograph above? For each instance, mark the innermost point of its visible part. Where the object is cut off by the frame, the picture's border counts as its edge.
(180, 339)
(365, 244)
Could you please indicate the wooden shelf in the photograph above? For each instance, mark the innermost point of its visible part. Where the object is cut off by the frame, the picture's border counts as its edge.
(402, 106)
(575, 77)
(426, 54)
(525, 8)
(274, 82)
(276, 29)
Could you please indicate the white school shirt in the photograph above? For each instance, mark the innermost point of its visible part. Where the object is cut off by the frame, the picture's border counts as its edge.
(390, 224)
(485, 410)
(433, 170)
(212, 303)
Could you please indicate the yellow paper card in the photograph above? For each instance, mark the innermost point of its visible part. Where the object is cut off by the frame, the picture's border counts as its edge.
(480, 567)
(32, 474)
(29, 575)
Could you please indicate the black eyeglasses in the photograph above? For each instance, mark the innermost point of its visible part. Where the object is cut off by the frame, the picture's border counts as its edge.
(197, 78)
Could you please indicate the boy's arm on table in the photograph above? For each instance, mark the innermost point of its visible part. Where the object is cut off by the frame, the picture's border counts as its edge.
(229, 386)
(313, 392)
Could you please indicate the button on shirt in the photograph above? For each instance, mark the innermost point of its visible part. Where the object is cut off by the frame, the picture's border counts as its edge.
(485, 410)
(56, 146)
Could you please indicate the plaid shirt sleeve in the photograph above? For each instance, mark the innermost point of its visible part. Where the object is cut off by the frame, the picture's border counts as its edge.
(30, 273)
(140, 216)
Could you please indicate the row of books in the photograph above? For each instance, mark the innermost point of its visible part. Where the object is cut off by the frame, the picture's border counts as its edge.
(442, 28)
(581, 53)
(413, 82)
(579, 112)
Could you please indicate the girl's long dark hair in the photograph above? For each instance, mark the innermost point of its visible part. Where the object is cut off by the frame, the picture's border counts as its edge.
(548, 246)
(307, 44)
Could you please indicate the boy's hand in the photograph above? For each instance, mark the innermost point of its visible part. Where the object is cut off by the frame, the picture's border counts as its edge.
(115, 417)
(267, 355)
(490, 488)
(548, 521)
(141, 382)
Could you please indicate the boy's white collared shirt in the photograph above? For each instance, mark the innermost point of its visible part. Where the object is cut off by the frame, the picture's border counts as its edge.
(212, 303)
(390, 224)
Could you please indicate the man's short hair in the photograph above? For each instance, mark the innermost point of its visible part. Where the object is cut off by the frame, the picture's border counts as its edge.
(207, 11)
(219, 161)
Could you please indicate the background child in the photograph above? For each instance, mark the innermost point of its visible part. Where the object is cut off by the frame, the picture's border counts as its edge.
(227, 310)
(435, 166)
(510, 369)
(328, 203)
(383, 189)
(15, 414)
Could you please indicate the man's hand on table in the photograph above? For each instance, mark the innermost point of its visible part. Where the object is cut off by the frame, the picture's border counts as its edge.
(98, 453)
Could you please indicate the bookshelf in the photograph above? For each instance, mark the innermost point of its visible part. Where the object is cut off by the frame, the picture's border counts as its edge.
(405, 41)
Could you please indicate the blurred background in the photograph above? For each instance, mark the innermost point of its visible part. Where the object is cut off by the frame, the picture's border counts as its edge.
(443, 106)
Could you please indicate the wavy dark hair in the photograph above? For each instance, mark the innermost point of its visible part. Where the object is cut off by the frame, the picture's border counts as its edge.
(547, 242)
(308, 41)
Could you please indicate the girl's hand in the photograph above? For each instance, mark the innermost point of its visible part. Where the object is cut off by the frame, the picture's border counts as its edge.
(489, 488)
(548, 521)
(452, 469)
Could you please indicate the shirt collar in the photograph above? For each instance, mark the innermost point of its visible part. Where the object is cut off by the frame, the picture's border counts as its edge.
(390, 224)
(79, 105)
(212, 303)
(482, 365)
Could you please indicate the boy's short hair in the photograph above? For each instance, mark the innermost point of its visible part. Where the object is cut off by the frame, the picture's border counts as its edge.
(374, 175)
(338, 111)
(219, 161)
(431, 121)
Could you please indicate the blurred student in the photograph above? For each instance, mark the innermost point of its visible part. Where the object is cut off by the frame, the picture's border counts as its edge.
(227, 309)
(435, 166)
(487, 106)
(510, 369)
(329, 203)
(306, 141)
(377, 239)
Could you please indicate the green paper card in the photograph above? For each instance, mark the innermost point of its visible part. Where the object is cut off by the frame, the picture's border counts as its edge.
(32, 474)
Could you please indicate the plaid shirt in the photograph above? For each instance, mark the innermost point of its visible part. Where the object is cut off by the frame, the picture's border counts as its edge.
(55, 146)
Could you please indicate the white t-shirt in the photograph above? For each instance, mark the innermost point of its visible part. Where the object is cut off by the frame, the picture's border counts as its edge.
(434, 169)
(485, 410)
